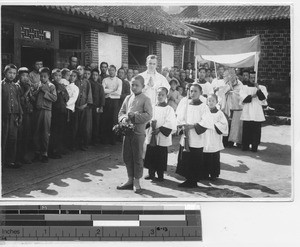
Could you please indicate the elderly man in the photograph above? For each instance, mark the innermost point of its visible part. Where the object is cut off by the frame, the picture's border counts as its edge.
(153, 79)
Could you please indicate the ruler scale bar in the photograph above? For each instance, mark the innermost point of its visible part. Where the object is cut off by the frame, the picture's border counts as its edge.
(100, 223)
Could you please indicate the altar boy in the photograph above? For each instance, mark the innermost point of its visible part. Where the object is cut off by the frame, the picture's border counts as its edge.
(159, 137)
(136, 109)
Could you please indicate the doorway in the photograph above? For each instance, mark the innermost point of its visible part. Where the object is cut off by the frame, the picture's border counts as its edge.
(31, 54)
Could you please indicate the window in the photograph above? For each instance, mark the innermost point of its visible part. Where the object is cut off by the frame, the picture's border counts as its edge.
(69, 41)
(189, 52)
(138, 50)
(7, 44)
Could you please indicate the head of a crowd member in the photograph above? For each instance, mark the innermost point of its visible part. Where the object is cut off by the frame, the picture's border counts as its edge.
(180, 90)
(151, 63)
(44, 74)
(80, 69)
(189, 66)
(73, 76)
(73, 61)
(195, 91)
(187, 73)
(208, 72)
(65, 74)
(161, 95)
(138, 84)
(112, 70)
(173, 84)
(104, 68)
(165, 71)
(94, 66)
(252, 77)
(182, 76)
(246, 76)
(23, 73)
(206, 66)
(202, 73)
(125, 67)
(121, 74)
(135, 72)
(177, 75)
(87, 72)
(187, 89)
(56, 75)
(221, 71)
(212, 101)
(37, 65)
(95, 74)
(213, 73)
(130, 74)
(193, 74)
(171, 73)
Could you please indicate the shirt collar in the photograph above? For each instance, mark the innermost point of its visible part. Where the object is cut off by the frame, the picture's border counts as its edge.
(196, 102)
(163, 104)
(214, 110)
(137, 94)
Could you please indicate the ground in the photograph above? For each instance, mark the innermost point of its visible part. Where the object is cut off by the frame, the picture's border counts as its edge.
(96, 173)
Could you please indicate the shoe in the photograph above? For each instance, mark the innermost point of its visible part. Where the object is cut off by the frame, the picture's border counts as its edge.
(188, 184)
(55, 156)
(14, 165)
(83, 148)
(149, 177)
(213, 178)
(254, 149)
(160, 179)
(44, 159)
(37, 158)
(137, 190)
(245, 148)
(26, 161)
(125, 187)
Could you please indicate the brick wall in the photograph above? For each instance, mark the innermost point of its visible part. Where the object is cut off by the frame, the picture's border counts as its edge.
(275, 61)
(91, 44)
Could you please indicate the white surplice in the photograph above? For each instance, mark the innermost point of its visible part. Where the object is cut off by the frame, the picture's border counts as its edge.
(165, 116)
(213, 140)
(192, 114)
(253, 111)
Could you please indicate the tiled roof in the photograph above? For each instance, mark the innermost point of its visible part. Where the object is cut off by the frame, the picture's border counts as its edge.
(146, 18)
(237, 13)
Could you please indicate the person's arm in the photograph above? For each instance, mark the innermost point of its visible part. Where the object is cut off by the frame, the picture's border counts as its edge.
(221, 126)
(89, 93)
(118, 90)
(177, 98)
(50, 95)
(73, 96)
(122, 116)
(101, 96)
(170, 123)
(106, 89)
(261, 92)
(146, 115)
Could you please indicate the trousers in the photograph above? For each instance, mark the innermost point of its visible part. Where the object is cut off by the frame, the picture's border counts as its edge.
(133, 155)
(9, 138)
(41, 133)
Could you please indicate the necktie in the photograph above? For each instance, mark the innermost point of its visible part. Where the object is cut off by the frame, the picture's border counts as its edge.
(150, 82)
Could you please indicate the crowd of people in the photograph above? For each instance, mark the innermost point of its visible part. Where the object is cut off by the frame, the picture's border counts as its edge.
(52, 112)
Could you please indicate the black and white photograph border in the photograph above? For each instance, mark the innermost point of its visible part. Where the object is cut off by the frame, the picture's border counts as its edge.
(125, 40)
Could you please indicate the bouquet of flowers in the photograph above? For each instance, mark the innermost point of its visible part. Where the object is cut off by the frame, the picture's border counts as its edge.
(123, 129)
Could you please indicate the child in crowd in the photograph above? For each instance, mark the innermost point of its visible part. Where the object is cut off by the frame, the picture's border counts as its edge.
(11, 116)
(213, 139)
(73, 92)
(98, 104)
(173, 96)
(194, 119)
(180, 91)
(59, 116)
(136, 109)
(65, 74)
(112, 88)
(25, 129)
(163, 123)
(44, 97)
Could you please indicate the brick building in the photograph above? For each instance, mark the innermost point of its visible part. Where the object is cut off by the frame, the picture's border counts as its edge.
(271, 23)
(115, 34)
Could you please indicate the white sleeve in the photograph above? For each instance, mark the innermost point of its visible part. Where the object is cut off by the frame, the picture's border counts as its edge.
(181, 111)
(222, 123)
(207, 119)
(73, 95)
(170, 122)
